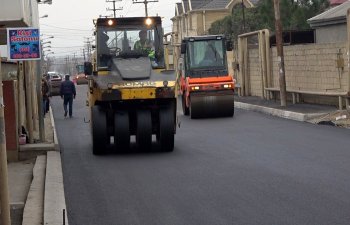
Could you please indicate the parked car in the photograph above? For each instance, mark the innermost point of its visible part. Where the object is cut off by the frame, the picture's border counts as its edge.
(54, 80)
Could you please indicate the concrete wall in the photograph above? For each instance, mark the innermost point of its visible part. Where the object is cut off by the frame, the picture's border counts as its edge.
(175, 28)
(193, 24)
(17, 13)
(331, 34)
(19, 98)
(309, 67)
(313, 67)
(231, 59)
(35, 13)
(254, 71)
(200, 27)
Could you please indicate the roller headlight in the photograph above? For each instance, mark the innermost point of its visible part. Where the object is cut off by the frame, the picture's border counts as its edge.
(148, 21)
(110, 22)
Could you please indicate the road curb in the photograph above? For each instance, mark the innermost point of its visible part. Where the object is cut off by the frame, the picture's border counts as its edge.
(276, 112)
(54, 198)
(55, 139)
(33, 209)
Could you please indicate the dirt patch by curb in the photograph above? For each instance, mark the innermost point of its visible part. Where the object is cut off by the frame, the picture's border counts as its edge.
(340, 118)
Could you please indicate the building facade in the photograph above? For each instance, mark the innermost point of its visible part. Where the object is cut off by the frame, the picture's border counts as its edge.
(194, 17)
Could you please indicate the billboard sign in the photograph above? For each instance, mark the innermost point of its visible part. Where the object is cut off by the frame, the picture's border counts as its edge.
(23, 43)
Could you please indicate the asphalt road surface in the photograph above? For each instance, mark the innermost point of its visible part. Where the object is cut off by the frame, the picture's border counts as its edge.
(250, 169)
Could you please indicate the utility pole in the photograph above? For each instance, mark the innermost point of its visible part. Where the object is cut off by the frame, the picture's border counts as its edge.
(4, 191)
(114, 9)
(84, 54)
(280, 56)
(88, 43)
(144, 2)
(243, 14)
(67, 59)
(40, 98)
(75, 60)
(29, 101)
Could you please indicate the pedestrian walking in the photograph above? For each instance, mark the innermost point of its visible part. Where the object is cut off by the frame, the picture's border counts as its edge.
(47, 80)
(67, 92)
(45, 95)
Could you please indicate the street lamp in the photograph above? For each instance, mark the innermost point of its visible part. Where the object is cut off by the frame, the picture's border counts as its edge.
(46, 42)
(49, 37)
(47, 61)
(45, 35)
(44, 16)
(45, 2)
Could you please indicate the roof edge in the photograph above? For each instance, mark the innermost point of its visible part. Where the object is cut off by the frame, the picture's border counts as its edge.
(323, 22)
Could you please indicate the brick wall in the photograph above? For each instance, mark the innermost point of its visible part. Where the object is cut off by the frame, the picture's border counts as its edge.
(313, 67)
(309, 67)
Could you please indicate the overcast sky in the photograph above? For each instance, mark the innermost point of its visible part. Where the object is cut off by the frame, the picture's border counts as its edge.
(70, 21)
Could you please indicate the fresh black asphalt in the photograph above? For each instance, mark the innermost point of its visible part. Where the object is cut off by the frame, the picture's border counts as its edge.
(249, 169)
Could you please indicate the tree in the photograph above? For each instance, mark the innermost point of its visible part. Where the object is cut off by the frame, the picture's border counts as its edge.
(294, 15)
(232, 25)
(223, 26)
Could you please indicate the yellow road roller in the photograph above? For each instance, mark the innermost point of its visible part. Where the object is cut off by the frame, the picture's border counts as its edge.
(131, 96)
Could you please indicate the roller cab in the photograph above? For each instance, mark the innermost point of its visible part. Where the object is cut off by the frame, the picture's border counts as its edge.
(131, 96)
(206, 88)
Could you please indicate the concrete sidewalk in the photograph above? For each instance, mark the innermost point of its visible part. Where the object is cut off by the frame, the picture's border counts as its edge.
(36, 182)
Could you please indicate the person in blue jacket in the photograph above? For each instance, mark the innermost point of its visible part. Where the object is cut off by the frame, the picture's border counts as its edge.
(67, 92)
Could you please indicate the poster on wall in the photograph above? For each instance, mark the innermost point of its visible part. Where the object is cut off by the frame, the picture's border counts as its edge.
(23, 43)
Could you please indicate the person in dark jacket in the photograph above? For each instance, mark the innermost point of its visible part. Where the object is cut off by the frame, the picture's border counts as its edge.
(67, 92)
(45, 95)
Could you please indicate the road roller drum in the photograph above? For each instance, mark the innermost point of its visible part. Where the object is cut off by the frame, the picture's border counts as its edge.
(211, 106)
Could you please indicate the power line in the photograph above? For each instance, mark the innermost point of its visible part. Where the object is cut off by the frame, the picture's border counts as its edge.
(71, 39)
(70, 47)
(63, 28)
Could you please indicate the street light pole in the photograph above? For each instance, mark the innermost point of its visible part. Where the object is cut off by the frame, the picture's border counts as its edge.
(47, 61)
(4, 191)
